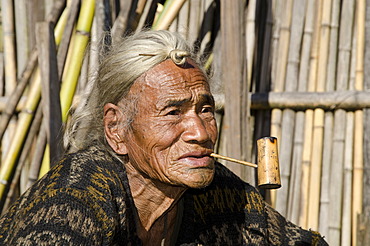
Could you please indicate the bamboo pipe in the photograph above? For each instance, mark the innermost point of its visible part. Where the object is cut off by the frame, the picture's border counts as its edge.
(268, 163)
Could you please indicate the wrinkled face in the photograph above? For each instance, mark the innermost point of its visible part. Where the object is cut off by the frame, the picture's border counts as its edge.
(174, 129)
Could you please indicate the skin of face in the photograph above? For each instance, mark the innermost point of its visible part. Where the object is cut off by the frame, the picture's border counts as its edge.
(174, 130)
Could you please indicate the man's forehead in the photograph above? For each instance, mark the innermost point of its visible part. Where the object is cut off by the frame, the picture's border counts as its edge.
(167, 74)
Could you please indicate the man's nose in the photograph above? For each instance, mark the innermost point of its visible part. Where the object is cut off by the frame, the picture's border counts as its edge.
(195, 130)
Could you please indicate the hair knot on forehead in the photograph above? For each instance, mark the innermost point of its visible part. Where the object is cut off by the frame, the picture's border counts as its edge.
(178, 56)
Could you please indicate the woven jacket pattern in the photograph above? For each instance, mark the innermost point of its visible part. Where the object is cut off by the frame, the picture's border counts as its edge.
(86, 200)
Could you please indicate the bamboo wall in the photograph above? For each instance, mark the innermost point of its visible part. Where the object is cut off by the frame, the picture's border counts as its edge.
(293, 69)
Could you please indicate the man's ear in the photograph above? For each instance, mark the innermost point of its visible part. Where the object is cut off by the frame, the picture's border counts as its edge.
(113, 128)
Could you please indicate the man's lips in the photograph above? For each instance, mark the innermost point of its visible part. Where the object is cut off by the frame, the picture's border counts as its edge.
(197, 154)
(197, 158)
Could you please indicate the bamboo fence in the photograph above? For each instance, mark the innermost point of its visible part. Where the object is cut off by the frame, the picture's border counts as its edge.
(296, 70)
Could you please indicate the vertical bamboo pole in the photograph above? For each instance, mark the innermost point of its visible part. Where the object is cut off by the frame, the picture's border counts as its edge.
(10, 68)
(309, 121)
(276, 117)
(318, 130)
(96, 33)
(233, 79)
(147, 17)
(133, 17)
(325, 175)
(329, 118)
(347, 181)
(35, 13)
(2, 65)
(363, 220)
(265, 48)
(336, 177)
(348, 157)
(294, 199)
(262, 71)
(194, 21)
(278, 10)
(183, 19)
(250, 40)
(123, 21)
(22, 41)
(206, 25)
(7, 12)
(280, 61)
(343, 69)
(358, 145)
(288, 116)
(50, 87)
(37, 157)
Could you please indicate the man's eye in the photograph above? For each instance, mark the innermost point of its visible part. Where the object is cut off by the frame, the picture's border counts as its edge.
(174, 112)
(207, 110)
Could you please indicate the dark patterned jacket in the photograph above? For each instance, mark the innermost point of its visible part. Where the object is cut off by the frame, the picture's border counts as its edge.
(86, 200)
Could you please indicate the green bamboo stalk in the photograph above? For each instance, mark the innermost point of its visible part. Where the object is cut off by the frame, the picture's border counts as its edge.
(170, 11)
(162, 13)
(35, 126)
(80, 42)
(25, 119)
(73, 68)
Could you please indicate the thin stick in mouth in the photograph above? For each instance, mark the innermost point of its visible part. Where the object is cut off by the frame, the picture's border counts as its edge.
(214, 155)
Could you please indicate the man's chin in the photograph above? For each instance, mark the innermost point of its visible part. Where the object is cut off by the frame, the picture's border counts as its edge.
(200, 180)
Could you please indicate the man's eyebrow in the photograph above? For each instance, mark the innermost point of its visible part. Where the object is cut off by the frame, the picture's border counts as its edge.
(175, 102)
(179, 102)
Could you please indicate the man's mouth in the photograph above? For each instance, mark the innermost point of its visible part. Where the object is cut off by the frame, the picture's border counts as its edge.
(197, 158)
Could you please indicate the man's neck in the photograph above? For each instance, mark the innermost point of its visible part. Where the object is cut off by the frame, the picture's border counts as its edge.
(152, 198)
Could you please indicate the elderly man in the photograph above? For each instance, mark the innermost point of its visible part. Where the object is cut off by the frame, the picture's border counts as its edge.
(143, 174)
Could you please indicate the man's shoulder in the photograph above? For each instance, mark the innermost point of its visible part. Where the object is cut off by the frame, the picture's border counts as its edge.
(84, 165)
(82, 186)
(86, 157)
(86, 174)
